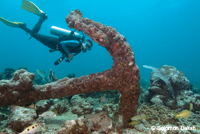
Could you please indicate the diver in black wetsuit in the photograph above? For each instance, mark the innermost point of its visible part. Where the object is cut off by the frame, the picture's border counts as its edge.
(69, 43)
(64, 44)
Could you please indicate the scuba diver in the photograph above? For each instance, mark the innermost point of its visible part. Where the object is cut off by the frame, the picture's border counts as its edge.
(69, 43)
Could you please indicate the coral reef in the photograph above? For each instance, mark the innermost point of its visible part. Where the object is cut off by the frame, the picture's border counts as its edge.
(4, 115)
(80, 106)
(196, 90)
(8, 73)
(22, 68)
(162, 116)
(162, 75)
(160, 90)
(64, 108)
(1, 76)
(98, 123)
(60, 106)
(21, 117)
(71, 75)
(123, 76)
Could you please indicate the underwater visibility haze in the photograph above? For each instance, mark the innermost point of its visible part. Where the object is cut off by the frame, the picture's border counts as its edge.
(159, 32)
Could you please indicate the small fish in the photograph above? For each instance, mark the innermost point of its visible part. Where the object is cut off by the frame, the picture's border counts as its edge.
(133, 123)
(41, 73)
(48, 114)
(33, 106)
(185, 113)
(138, 117)
(191, 106)
(56, 112)
(156, 100)
(31, 129)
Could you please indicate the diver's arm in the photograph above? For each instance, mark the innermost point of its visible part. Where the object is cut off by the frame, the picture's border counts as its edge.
(70, 56)
(65, 44)
(70, 43)
(64, 47)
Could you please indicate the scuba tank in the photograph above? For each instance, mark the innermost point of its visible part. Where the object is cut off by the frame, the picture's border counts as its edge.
(66, 34)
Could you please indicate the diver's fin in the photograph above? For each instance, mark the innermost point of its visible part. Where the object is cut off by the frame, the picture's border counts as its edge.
(31, 7)
(10, 23)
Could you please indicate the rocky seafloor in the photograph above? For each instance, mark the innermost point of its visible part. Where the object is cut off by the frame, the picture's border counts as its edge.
(94, 112)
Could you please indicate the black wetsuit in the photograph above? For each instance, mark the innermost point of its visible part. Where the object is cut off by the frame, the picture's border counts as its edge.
(61, 44)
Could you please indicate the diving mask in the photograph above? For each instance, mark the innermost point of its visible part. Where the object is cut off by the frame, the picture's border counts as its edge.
(86, 46)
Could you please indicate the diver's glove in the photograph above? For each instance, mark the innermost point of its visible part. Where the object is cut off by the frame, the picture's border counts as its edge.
(70, 57)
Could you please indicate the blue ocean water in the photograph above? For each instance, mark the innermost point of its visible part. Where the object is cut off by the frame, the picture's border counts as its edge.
(160, 32)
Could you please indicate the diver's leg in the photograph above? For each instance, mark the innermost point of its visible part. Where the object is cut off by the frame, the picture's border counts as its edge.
(23, 27)
(49, 41)
(38, 25)
(31, 7)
